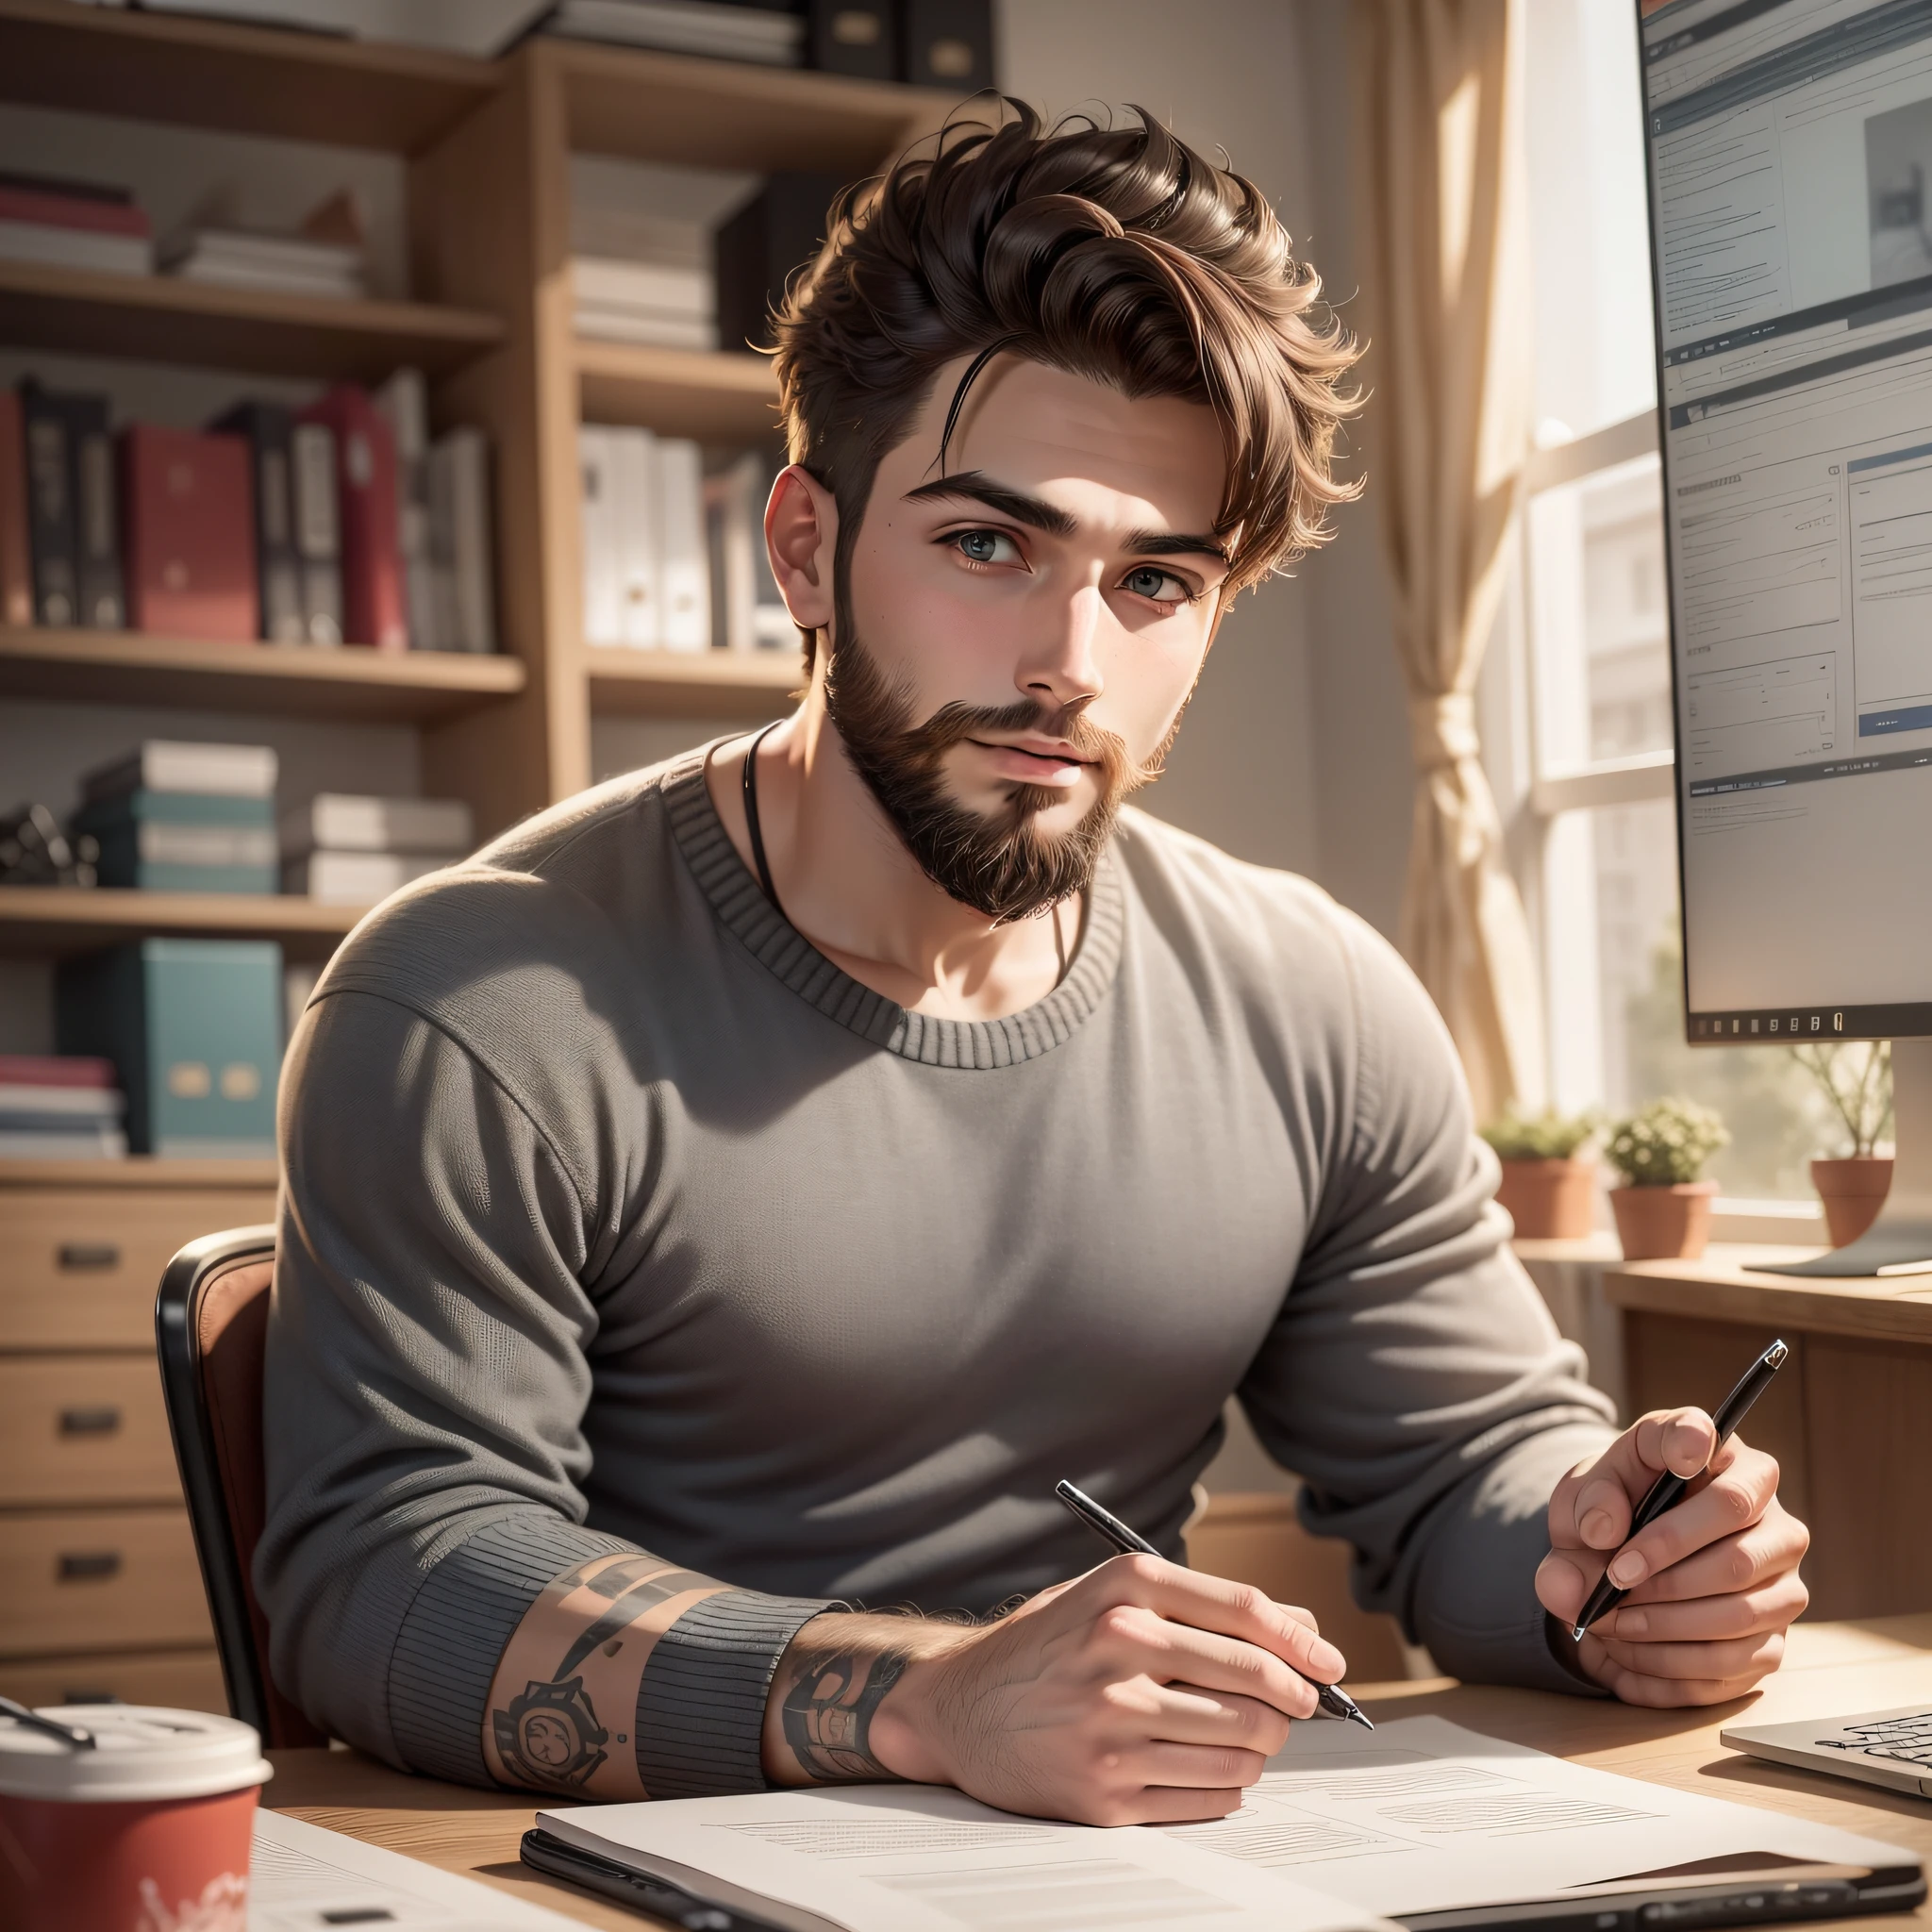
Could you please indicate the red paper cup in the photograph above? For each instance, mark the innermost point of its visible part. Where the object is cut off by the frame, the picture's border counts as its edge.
(147, 1831)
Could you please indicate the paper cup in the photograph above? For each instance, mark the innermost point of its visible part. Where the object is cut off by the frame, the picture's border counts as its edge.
(149, 1831)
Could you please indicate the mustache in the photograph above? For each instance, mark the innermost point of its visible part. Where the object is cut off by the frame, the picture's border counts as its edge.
(955, 723)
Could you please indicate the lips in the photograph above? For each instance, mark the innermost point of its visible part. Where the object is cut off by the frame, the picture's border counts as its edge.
(1055, 755)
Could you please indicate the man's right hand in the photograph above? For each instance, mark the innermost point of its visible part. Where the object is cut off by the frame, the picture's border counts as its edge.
(1141, 1693)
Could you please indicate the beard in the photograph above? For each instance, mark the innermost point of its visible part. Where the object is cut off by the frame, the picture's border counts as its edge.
(1001, 864)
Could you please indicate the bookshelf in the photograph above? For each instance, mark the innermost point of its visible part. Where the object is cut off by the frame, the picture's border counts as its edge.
(712, 684)
(715, 396)
(36, 920)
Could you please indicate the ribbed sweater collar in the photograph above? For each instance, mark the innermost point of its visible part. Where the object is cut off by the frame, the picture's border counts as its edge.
(791, 958)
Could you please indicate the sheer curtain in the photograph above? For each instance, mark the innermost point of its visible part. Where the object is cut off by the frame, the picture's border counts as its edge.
(1441, 213)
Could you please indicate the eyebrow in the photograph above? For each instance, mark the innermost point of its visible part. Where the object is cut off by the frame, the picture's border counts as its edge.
(971, 486)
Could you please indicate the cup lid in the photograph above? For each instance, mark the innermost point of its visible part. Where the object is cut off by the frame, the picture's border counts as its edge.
(142, 1753)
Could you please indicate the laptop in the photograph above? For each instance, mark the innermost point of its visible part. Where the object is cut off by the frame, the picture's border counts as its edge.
(1893, 1748)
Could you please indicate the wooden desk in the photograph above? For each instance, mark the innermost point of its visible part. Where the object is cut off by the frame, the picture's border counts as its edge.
(1831, 1671)
(1846, 1418)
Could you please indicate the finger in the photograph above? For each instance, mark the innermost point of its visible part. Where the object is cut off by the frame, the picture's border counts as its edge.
(1169, 1805)
(1230, 1609)
(1742, 1658)
(1773, 1606)
(1732, 1501)
(1601, 1493)
(1191, 1714)
(1657, 1693)
(1770, 1547)
(1203, 1767)
(1564, 1580)
(1130, 1641)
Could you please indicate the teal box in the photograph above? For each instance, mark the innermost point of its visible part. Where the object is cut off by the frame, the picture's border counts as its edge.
(194, 1030)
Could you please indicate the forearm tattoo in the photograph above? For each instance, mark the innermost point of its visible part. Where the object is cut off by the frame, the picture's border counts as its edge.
(829, 1713)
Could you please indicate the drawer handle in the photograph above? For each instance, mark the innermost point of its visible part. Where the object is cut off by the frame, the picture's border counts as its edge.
(89, 1566)
(90, 1421)
(77, 1256)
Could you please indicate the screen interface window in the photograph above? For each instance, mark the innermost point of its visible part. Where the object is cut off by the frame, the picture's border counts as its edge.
(1790, 163)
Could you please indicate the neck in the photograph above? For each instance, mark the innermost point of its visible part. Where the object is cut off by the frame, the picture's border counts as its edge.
(849, 884)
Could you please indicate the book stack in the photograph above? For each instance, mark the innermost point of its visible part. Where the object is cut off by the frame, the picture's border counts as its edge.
(769, 35)
(344, 850)
(59, 1109)
(171, 817)
(243, 259)
(74, 225)
(646, 574)
(669, 305)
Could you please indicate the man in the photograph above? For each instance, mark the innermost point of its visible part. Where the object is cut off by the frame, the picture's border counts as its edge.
(738, 1195)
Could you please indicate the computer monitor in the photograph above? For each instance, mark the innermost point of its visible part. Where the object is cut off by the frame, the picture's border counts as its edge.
(1789, 151)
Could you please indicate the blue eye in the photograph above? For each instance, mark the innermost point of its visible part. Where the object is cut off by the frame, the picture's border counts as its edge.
(1157, 586)
(986, 546)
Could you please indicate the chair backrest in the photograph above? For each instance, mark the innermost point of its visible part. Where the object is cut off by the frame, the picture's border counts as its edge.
(211, 1328)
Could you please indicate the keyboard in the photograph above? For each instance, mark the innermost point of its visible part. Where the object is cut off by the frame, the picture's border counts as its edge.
(1908, 1740)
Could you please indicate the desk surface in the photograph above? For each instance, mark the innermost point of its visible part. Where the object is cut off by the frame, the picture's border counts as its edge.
(1831, 1670)
(1725, 1287)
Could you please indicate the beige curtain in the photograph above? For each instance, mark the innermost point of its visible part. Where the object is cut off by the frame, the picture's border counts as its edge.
(1442, 220)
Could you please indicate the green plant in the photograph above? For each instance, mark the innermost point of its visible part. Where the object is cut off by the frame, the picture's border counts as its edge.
(1665, 1143)
(1547, 1136)
(1856, 1078)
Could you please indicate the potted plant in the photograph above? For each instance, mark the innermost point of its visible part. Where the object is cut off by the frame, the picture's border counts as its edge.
(1663, 1208)
(1856, 1077)
(1549, 1185)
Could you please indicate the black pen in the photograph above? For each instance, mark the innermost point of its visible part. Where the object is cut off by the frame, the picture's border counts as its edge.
(1668, 1489)
(1330, 1698)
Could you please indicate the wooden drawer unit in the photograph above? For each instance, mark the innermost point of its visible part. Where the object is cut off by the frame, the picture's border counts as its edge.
(179, 1679)
(79, 1263)
(74, 1581)
(83, 1429)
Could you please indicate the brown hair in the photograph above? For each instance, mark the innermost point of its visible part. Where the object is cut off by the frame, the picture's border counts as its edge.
(1117, 254)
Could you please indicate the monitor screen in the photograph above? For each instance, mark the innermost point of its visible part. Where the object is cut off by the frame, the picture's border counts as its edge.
(1789, 146)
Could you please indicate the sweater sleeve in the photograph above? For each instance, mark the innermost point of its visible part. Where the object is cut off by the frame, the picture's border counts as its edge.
(426, 1379)
(1414, 1379)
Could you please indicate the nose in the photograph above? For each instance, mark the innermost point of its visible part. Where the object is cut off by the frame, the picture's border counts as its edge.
(1060, 667)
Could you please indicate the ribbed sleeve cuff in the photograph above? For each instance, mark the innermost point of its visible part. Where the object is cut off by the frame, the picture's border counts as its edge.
(454, 1634)
(701, 1706)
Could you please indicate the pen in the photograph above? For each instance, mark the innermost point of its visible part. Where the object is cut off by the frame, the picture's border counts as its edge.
(1668, 1489)
(1330, 1698)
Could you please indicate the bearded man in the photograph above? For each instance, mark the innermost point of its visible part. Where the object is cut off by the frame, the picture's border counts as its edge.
(738, 1195)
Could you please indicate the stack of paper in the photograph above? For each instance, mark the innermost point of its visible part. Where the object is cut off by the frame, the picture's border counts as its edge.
(773, 37)
(666, 304)
(241, 259)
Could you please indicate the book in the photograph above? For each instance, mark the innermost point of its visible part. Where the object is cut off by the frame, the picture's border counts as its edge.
(187, 511)
(163, 841)
(685, 26)
(346, 822)
(857, 36)
(87, 248)
(640, 537)
(657, 288)
(96, 520)
(194, 1030)
(405, 405)
(779, 229)
(684, 573)
(94, 1141)
(748, 614)
(366, 518)
(355, 878)
(318, 531)
(243, 259)
(600, 323)
(269, 430)
(166, 764)
(16, 546)
(52, 523)
(54, 1070)
(462, 556)
(26, 1105)
(946, 43)
(602, 534)
(61, 204)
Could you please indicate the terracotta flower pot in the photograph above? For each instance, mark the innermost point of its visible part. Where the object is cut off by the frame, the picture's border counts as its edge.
(1669, 1223)
(1549, 1200)
(1852, 1191)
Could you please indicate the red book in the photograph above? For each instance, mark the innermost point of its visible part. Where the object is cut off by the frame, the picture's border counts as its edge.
(16, 558)
(188, 525)
(51, 1070)
(55, 210)
(372, 608)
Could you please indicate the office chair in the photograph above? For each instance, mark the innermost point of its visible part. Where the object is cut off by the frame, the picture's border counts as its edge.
(210, 1325)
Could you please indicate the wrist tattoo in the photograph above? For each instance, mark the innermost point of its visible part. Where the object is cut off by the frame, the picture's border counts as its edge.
(829, 1713)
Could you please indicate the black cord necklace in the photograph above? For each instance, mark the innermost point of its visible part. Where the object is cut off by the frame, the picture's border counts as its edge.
(751, 817)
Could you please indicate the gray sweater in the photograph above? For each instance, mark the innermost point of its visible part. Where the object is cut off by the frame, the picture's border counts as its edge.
(617, 1215)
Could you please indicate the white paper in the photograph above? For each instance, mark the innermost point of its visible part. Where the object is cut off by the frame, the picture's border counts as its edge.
(916, 1859)
(306, 1879)
(1423, 1816)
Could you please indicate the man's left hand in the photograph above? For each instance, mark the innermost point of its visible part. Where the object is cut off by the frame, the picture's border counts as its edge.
(1713, 1583)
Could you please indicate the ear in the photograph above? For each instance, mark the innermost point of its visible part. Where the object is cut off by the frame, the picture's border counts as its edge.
(801, 537)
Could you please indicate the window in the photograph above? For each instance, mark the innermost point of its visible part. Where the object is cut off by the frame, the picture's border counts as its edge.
(1594, 820)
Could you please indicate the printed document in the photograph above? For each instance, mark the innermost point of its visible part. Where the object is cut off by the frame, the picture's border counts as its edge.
(1347, 1829)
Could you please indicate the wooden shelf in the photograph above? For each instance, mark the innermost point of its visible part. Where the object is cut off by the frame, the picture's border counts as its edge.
(245, 79)
(139, 1171)
(702, 684)
(54, 919)
(131, 667)
(712, 395)
(651, 107)
(265, 331)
